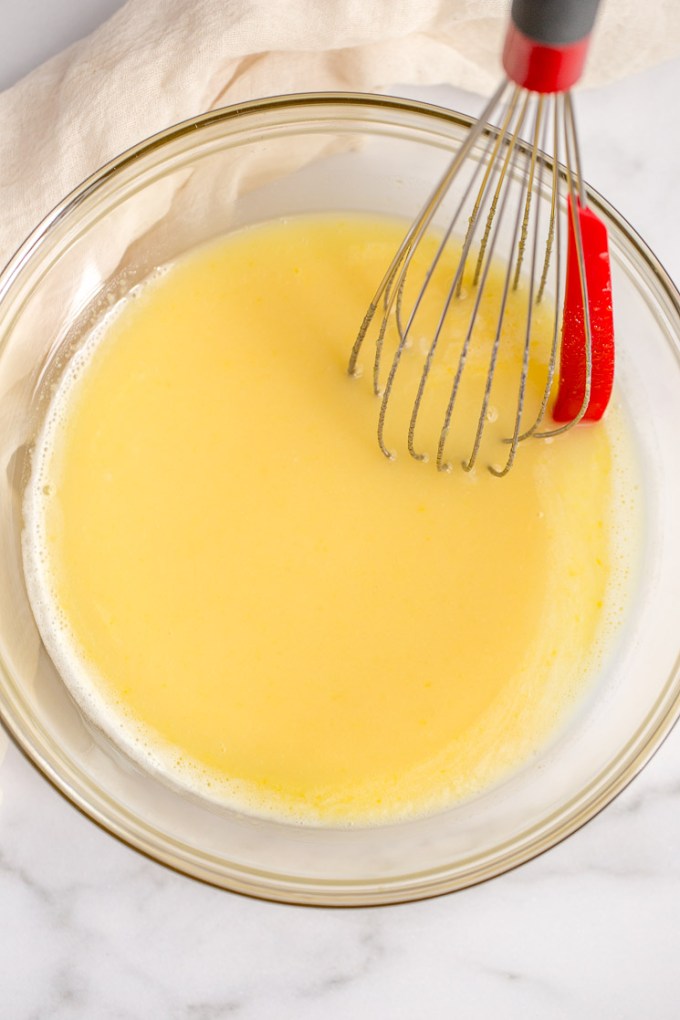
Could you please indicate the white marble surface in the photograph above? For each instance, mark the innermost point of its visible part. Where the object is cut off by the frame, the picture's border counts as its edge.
(90, 929)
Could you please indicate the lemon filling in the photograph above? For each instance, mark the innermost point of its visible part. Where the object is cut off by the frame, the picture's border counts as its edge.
(240, 588)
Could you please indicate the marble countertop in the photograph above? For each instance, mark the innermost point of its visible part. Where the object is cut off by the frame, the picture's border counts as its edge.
(91, 929)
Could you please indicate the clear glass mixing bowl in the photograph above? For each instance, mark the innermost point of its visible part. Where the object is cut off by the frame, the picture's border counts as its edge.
(207, 176)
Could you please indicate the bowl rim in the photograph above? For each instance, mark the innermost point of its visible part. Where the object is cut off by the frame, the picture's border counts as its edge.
(130, 829)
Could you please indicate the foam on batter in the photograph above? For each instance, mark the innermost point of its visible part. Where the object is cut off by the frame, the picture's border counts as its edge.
(159, 351)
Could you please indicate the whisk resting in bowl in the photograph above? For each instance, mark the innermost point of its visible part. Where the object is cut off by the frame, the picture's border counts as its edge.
(495, 181)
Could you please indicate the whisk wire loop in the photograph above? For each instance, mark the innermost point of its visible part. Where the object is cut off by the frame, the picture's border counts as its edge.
(576, 189)
(404, 331)
(536, 168)
(422, 222)
(552, 243)
(511, 162)
(506, 164)
(455, 287)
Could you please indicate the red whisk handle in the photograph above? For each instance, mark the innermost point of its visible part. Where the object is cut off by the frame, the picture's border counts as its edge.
(547, 42)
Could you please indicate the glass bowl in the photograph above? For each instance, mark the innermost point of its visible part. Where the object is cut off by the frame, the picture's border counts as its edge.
(263, 160)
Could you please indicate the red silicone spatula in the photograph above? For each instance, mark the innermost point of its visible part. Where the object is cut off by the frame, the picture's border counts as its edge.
(587, 348)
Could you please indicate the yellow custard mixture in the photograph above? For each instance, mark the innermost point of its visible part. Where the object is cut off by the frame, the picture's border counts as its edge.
(240, 589)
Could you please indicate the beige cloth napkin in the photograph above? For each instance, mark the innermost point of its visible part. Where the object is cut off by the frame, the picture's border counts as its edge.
(3, 749)
(158, 61)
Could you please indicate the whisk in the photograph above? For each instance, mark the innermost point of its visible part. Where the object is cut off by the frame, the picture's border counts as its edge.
(543, 56)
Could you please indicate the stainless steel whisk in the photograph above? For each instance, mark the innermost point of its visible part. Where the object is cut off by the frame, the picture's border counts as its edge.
(544, 53)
